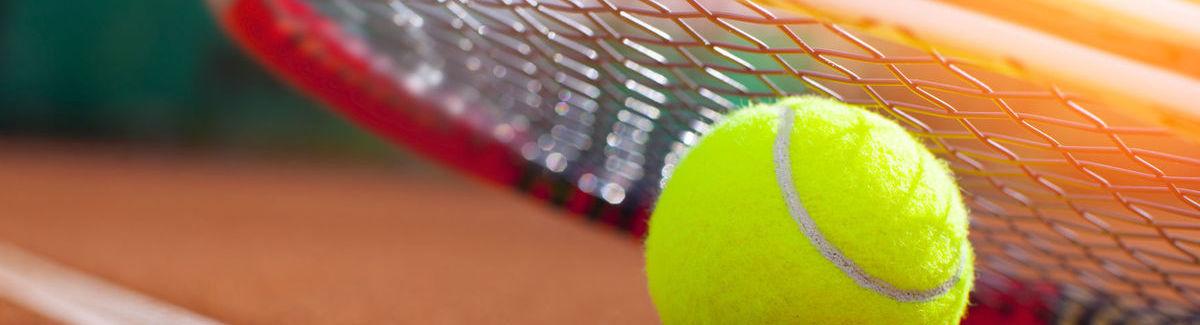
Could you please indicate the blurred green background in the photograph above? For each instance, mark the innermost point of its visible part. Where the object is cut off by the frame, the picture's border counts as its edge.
(156, 73)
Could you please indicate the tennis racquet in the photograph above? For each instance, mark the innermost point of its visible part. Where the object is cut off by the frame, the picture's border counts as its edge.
(1071, 125)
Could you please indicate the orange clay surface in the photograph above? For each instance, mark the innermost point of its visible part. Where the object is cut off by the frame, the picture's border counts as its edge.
(279, 241)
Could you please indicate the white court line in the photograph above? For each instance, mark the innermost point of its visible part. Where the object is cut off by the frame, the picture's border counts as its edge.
(70, 296)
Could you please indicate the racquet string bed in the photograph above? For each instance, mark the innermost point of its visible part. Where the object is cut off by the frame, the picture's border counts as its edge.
(606, 96)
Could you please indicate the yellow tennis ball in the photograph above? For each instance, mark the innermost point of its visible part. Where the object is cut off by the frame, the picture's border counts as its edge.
(810, 211)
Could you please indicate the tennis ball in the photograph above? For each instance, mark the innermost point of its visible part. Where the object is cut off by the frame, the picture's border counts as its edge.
(809, 210)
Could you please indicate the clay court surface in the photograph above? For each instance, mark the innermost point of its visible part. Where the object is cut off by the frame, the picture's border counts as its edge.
(258, 240)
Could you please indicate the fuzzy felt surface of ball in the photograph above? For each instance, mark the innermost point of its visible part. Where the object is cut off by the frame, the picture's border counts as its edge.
(808, 210)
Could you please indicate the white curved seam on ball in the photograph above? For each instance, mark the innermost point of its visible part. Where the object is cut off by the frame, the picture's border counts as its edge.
(783, 174)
